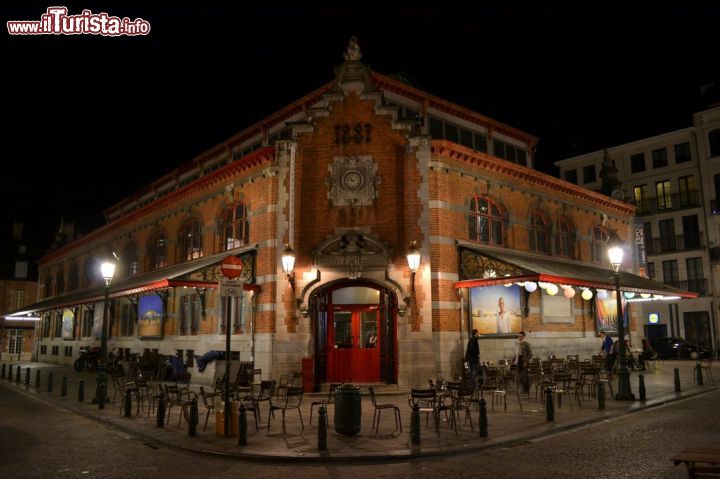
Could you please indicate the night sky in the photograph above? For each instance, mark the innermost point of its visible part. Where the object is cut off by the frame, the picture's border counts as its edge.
(90, 120)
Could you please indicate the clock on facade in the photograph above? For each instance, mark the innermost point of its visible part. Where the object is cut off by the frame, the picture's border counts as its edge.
(352, 180)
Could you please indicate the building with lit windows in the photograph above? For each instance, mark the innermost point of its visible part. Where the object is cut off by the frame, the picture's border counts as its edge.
(348, 177)
(673, 179)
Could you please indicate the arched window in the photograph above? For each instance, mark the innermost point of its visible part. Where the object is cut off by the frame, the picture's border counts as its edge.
(191, 239)
(485, 222)
(130, 262)
(539, 232)
(714, 142)
(599, 239)
(60, 281)
(73, 277)
(235, 227)
(48, 284)
(91, 273)
(157, 251)
(565, 238)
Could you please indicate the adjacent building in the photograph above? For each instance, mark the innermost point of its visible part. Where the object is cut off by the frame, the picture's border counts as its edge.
(350, 181)
(673, 179)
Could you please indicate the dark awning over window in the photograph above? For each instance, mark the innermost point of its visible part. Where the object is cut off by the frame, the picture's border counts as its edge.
(174, 276)
(487, 266)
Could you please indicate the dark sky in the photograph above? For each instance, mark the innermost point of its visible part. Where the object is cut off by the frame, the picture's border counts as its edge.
(89, 120)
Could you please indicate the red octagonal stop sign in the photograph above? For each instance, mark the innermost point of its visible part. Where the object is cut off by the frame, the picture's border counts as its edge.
(232, 267)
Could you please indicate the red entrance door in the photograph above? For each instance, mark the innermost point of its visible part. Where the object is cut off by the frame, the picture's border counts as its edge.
(353, 344)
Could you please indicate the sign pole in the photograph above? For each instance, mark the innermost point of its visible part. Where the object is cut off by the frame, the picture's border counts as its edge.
(228, 406)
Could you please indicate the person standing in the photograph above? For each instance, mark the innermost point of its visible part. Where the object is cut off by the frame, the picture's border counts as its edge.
(472, 357)
(523, 353)
(503, 318)
(606, 349)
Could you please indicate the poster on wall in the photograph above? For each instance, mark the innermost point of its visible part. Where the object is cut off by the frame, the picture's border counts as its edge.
(98, 320)
(68, 324)
(496, 309)
(150, 315)
(606, 313)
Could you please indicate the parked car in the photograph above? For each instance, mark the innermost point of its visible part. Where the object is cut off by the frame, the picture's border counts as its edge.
(677, 348)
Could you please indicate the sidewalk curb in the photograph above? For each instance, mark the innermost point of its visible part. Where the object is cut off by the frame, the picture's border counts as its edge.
(388, 456)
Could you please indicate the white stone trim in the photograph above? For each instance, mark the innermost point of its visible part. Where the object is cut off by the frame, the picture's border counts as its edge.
(443, 276)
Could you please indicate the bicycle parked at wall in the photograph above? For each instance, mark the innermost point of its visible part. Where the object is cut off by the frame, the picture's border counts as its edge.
(89, 358)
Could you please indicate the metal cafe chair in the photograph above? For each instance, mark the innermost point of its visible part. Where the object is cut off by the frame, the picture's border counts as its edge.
(324, 402)
(426, 400)
(292, 400)
(379, 408)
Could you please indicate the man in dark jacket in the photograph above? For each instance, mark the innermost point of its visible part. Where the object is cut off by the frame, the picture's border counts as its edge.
(472, 357)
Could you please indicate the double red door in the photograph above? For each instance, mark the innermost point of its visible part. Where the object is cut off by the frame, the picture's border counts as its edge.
(354, 344)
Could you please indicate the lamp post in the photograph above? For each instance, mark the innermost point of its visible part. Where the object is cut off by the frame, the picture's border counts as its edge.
(615, 252)
(288, 264)
(107, 269)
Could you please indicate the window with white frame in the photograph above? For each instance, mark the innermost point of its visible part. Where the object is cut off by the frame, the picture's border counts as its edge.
(15, 343)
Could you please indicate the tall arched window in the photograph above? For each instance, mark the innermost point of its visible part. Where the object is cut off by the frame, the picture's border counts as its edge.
(157, 251)
(60, 281)
(599, 239)
(91, 274)
(565, 238)
(235, 227)
(191, 239)
(539, 232)
(48, 284)
(73, 277)
(485, 222)
(130, 262)
(714, 142)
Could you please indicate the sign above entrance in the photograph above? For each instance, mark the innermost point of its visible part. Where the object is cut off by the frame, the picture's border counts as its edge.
(231, 267)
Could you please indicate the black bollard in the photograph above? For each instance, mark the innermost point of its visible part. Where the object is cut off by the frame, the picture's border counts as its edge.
(37, 379)
(50, 382)
(193, 418)
(322, 429)
(698, 373)
(415, 425)
(17, 375)
(549, 405)
(601, 395)
(642, 387)
(81, 391)
(3, 371)
(63, 387)
(483, 419)
(242, 425)
(10, 374)
(161, 411)
(677, 380)
(127, 404)
(27, 377)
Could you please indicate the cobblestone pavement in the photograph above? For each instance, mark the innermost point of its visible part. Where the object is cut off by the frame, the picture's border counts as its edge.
(39, 440)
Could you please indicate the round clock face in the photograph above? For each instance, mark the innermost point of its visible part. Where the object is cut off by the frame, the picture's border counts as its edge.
(352, 180)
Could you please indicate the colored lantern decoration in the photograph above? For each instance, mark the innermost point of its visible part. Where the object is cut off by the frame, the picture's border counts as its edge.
(659, 296)
(569, 292)
(645, 295)
(552, 289)
(530, 286)
(601, 294)
(587, 295)
(629, 294)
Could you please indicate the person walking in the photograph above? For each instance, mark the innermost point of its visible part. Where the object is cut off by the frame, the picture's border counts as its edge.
(523, 354)
(472, 357)
(606, 349)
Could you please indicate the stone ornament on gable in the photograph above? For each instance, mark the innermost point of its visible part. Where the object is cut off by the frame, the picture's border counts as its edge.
(353, 50)
(352, 181)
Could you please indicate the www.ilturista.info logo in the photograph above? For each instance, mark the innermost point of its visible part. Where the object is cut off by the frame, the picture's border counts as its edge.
(56, 21)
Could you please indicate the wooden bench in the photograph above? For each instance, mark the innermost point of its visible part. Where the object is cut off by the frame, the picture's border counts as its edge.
(709, 457)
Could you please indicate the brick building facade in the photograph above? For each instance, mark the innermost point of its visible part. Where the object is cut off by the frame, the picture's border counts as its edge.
(348, 176)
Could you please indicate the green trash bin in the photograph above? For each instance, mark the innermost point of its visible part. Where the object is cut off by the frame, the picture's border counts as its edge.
(348, 409)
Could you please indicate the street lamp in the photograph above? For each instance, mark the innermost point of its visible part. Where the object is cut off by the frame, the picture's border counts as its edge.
(288, 264)
(107, 269)
(413, 259)
(615, 253)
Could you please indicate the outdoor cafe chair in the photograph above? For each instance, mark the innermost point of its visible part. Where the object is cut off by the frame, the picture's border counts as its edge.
(324, 402)
(381, 407)
(209, 400)
(292, 400)
(426, 400)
